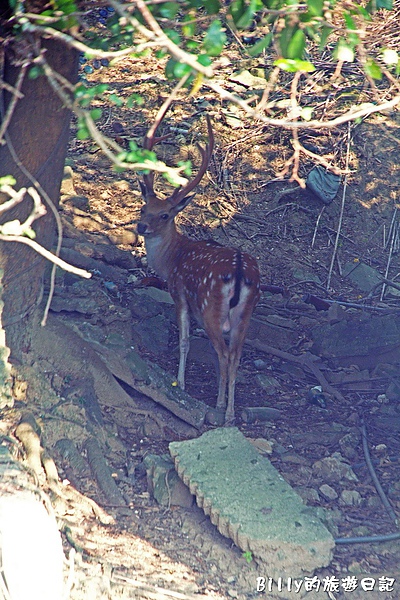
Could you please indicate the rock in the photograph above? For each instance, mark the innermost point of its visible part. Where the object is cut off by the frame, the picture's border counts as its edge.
(263, 330)
(332, 469)
(308, 494)
(67, 184)
(374, 502)
(125, 238)
(362, 276)
(247, 80)
(164, 483)
(281, 321)
(336, 313)
(363, 340)
(302, 275)
(260, 364)
(269, 384)
(263, 446)
(350, 498)
(393, 391)
(328, 492)
(348, 444)
(153, 333)
(75, 201)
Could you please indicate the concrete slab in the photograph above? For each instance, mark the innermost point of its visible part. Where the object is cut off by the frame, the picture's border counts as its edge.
(249, 501)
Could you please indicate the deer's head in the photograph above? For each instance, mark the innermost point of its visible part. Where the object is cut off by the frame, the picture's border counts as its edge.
(157, 214)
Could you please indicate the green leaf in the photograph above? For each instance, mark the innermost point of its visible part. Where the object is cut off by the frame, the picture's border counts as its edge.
(173, 35)
(169, 10)
(212, 6)
(115, 99)
(243, 13)
(360, 10)
(96, 114)
(261, 45)
(82, 132)
(134, 99)
(214, 39)
(315, 7)
(7, 180)
(296, 45)
(169, 68)
(325, 33)
(293, 66)
(189, 25)
(173, 69)
(192, 45)
(161, 53)
(187, 164)
(204, 60)
(350, 23)
(181, 69)
(373, 69)
(35, 72)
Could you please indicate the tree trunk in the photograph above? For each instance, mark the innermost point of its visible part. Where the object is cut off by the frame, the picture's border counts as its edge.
(37, 138)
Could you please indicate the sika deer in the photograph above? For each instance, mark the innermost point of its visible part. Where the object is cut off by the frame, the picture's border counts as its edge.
(218, 285)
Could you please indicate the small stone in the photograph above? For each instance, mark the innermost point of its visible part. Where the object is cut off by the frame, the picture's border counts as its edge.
(308, 494)
(76, 202)
(260, 364)
(67, 184)
(333, 469)
(269, 384)
(374, 502)
(350, 498)
(122, 185)
(247, 80)
(328, 492)
(336, 313)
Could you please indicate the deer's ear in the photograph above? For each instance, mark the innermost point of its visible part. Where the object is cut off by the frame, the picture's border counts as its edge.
(182, 203)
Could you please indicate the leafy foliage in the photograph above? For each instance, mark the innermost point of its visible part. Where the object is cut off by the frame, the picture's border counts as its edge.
(286, 34)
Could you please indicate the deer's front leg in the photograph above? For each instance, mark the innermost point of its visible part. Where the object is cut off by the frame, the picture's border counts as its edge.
(182, 313)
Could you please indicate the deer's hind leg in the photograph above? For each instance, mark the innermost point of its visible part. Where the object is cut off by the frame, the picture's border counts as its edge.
(182, 314)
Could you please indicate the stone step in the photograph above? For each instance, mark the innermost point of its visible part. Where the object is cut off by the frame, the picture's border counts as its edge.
(249, 502)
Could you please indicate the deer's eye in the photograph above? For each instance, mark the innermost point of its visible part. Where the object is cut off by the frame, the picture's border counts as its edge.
(164, 216)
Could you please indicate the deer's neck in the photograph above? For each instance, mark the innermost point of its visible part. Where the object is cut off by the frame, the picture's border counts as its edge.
(162, 252)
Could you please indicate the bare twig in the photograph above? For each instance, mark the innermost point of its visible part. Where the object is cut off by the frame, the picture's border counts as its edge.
(317, 225)
(328, 283)
(46, 254)
(15, 197)
(350, 115)
(393, 235)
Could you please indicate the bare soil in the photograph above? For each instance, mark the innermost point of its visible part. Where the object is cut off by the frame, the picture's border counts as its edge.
(239, 203)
